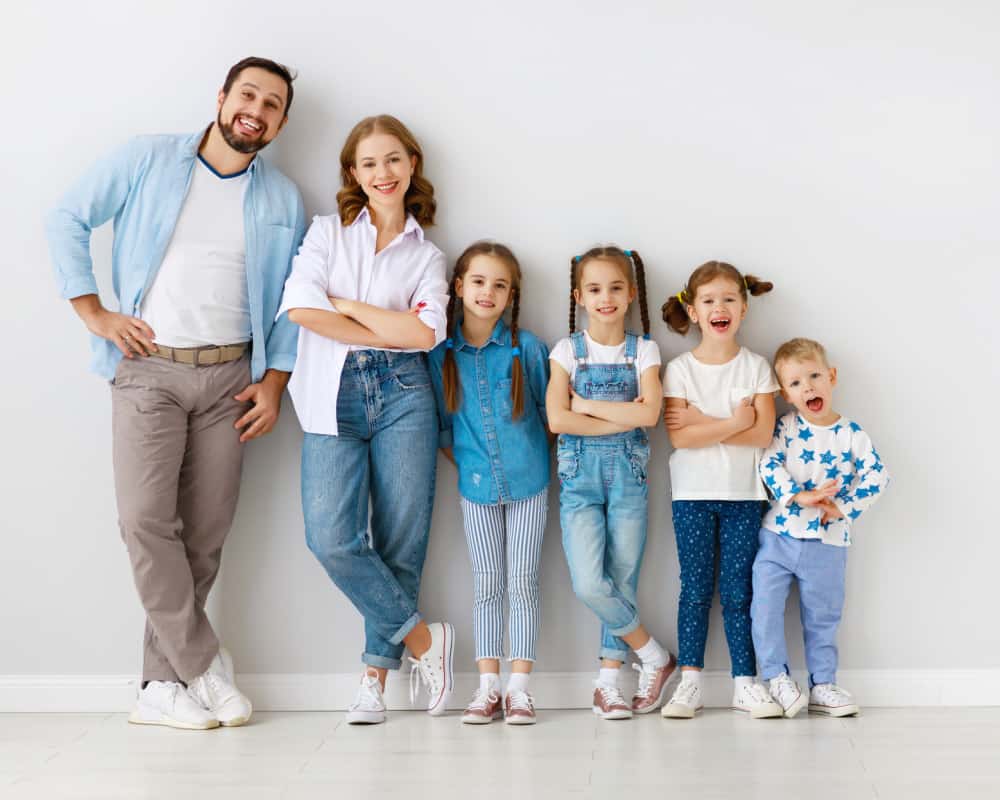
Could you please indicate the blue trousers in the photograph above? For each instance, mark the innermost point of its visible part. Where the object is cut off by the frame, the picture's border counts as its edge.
(820, 570)
(705, 528)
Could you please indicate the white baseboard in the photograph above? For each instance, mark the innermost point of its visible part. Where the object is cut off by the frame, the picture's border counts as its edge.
(333, 692)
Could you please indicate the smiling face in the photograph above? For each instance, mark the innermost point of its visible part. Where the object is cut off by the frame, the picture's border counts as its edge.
(485, 288)
(718, 308)
(253, 112)
(808, 385)
(383, 168)
(604, 290)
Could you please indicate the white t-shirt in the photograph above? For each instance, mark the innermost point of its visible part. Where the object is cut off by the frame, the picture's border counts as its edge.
(647, 355)
(199, 296)
(722, 471)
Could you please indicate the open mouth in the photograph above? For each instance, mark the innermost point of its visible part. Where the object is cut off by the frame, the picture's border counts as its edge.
(607, 309)
(248, 125)
(815, 404)
(386, 188)
(721, 325)
(485, 304)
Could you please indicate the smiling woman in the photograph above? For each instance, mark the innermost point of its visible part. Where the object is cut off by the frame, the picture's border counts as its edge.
(369, 293)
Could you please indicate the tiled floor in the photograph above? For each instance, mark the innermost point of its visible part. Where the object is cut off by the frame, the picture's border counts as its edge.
(886, 753)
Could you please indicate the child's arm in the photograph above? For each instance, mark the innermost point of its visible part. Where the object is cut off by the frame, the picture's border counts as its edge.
(757, 435)
(445, 434)
(641, 413)
(686, 434)
(562, 419)
(870, 477)
(535, 359)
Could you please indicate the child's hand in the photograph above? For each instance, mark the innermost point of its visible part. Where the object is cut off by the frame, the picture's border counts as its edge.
(577, 404)
(745, 414)
(816, 497)
(830, 511)
(676, 417)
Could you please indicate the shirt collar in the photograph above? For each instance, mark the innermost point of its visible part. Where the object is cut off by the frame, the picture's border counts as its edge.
(497, 337)
(411, 226)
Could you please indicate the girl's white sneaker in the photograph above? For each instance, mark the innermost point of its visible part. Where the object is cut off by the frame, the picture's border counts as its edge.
(788, 695)
(685, 702)
(753, 698)
(368, 707)
(830, 699)
(168, 703)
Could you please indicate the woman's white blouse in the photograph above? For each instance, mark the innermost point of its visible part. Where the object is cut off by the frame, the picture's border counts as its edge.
(337, 260)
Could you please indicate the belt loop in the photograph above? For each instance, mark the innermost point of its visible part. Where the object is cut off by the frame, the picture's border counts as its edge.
(173, 356)
(195, 354)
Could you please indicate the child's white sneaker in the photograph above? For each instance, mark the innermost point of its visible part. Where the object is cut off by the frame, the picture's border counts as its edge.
(434, 669)
(168, 703)
(215, 690)
(753, 698)
(788, 695)
(830, 699)
(685, 702)
(368, 707)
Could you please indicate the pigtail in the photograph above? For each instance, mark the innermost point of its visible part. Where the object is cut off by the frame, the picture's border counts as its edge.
(640, 283)
(756, 286)
(572, 300)
(516, 374)
(449, 369)
(675, 313)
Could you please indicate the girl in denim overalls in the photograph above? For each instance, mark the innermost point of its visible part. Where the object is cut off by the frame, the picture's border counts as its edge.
(604, 390)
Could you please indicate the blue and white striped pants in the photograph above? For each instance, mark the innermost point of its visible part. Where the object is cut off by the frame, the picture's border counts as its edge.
(505, 545)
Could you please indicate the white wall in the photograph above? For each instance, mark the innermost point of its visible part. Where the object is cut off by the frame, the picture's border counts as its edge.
(848, 153)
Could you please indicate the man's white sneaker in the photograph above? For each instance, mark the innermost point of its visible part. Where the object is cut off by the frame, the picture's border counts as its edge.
(434, 669)
(368, 707)
(830, 699)
(685, 702)
(215, 691)
(788, 695)
(753, 698)
(167, 703)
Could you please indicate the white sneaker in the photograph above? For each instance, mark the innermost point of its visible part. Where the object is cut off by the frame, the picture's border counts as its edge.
(830, 699)
(368, 707)
(685, 702)
(167, 703)
(754, 699)
(788, 695)
(215, 690)
(434, 669)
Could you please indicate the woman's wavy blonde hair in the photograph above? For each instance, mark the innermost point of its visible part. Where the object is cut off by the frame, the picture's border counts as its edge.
(351, 199)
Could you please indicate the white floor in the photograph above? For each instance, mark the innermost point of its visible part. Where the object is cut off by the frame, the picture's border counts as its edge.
(886, 753)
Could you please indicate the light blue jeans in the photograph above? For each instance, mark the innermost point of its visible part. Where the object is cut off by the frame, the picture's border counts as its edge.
(820, 570)
(602, 510)
(386, 450)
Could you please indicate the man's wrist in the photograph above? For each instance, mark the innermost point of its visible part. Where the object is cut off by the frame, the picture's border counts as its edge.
(276, 377)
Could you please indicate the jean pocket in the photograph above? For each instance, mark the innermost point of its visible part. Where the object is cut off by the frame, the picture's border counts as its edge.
(412, 374)
(638, 459)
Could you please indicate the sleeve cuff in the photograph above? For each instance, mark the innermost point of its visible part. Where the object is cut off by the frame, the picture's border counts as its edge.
(78, 287)
(283, 362)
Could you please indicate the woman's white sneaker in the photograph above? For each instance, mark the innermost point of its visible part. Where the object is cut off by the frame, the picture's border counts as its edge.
(788, 695)
(168, 703)
(215, 690)
(830, 699)
(685, 702)
(368, 707)
(434, 669)
(753, 698)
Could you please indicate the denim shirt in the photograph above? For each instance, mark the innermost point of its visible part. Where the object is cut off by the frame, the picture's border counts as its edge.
(500, 460)
(142, 186)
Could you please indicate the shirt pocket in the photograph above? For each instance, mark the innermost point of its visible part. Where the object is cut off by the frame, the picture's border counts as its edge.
(502, 405)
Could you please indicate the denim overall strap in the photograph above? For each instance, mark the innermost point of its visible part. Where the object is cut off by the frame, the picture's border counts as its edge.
(579, 349)
(631, 347)
(615, 382)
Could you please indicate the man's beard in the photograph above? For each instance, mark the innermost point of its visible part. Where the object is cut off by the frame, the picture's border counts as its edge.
(235, 142)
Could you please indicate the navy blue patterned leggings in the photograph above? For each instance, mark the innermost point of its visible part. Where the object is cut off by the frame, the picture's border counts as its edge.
(703, 528)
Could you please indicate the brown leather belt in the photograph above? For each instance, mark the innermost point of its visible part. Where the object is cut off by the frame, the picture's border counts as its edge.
(200, 356)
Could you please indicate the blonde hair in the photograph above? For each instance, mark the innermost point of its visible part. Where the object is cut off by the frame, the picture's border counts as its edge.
(799, 349)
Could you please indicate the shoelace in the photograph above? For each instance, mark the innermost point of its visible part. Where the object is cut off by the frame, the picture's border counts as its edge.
(646, 678)
(483, 697)
(522, 701)
(420, 672)
(833, 695)
(685, 693)
(756, 693)
(369, 695)
(611, 695)
(784, 690)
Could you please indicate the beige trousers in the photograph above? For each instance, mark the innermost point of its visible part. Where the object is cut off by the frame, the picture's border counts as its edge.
(177, 464)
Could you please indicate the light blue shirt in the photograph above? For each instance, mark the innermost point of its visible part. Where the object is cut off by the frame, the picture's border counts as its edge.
(499, 459)
(142, 187)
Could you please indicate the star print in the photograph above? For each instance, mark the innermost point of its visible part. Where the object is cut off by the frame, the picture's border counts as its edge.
(859, 464)
(807, 456)
(813, 525)
(808, 486)
(794, 510)
(788, 441)
(780, 520)
(827, 457)
(805, 434)
(877, 466)
(777, 492)
(833, 472)
(861, 494)
(873, 489)
(843, 494)
(771, 481)
(855, 427)
(846, 455)
(837, 428)
(854, 514)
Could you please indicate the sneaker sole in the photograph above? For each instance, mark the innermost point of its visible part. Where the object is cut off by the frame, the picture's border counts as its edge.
(170, 722)
(770, 713)
(477, 719)
(611, 714)
(797, 706)
(449, 676)
(681, 712)
(519, 720)
(366, 718)
(843, 711)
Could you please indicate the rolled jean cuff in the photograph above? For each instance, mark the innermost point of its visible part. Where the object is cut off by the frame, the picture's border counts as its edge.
(767, 674)
(380, 662)
(625, 630)
(822, 677)
(405, 629)
(614, 655)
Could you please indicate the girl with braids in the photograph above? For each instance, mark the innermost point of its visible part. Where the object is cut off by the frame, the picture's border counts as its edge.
(719, 415)
(369, 293)
(490, 382)
(604, 391)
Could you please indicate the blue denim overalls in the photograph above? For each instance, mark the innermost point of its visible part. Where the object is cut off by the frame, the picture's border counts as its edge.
(602, 501)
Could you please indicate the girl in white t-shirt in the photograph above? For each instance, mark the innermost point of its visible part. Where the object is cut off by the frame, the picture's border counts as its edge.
(604, 391)
(719, 415)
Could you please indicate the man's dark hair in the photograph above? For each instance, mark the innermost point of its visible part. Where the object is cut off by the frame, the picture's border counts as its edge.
(261, 63)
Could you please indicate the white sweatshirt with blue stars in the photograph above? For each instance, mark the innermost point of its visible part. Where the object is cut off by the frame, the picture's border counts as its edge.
(802, 456)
